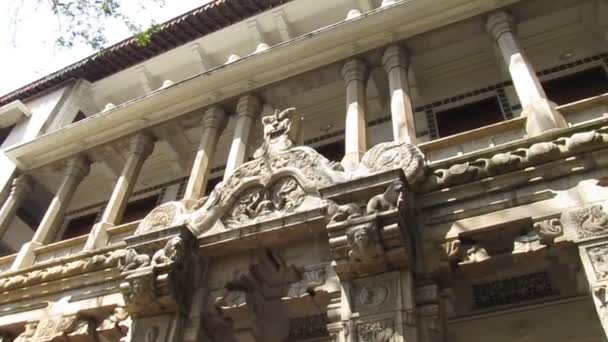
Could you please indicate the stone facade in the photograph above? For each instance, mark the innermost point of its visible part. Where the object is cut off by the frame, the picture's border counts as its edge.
(385, 243)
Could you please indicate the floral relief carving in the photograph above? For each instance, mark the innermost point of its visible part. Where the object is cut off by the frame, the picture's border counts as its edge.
(28, 333)
(599, 260)
(381, 331)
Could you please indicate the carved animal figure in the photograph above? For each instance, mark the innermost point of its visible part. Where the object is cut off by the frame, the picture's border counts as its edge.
(390, 199)
(276, 128)
(171, 253)
(338, 213)
(596, 221)
(131, 260)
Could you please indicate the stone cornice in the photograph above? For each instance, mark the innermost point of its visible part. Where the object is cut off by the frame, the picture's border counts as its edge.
(315, 49)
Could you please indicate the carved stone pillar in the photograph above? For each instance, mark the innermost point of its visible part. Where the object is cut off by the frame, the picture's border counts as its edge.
(75, 171)
(540, 112)
(247, 109)
(21, 186)
(140, 147)
(355, 73)
(396, 63)
(214, 122)
(588, 226)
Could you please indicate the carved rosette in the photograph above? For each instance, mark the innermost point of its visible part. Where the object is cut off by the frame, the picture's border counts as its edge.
(394, 155)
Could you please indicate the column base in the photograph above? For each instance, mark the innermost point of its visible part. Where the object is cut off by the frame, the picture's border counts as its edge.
(542, 116)
(351, 160)
(98, 237)
(26, 256)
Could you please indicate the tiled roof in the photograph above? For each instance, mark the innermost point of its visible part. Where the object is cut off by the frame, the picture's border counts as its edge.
(201, 21)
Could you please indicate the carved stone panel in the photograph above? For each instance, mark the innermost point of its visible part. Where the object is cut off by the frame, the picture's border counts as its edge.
(599, 260)
(378, 331)
(587, 222)
(374, 293)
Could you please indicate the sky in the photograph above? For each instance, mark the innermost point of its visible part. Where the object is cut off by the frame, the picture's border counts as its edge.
(28, 51)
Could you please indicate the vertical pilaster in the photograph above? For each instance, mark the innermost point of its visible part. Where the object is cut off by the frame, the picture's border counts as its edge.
(396, 63)
(247, 109)
(214, 122)
(355, 73)
(20, 187)
(141, 146)
(75, 170)
(540, 112)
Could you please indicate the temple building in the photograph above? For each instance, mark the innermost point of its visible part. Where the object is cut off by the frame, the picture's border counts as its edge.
(307, 170)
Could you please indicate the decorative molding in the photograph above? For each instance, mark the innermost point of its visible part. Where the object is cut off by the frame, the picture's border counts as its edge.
(588, 222)
(513, 290)
(517, 158)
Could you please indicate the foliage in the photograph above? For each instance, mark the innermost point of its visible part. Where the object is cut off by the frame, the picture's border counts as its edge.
(85, 21)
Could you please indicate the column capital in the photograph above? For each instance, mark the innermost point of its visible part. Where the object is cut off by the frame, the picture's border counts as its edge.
(249, 105)
(142, 144)
(21, 185)
(395, 56)
(214, 117)
(499, 23)
(354, 70)
(78, 167)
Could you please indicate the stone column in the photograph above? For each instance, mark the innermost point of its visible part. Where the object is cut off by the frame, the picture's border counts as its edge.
(75, 170)
(540, 112)
(355, 74)
(214, 122)
(140, 147)
(21, 186)
(247, 109)
(396, 63)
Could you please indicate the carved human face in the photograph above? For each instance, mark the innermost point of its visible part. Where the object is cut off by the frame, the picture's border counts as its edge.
(361, 237)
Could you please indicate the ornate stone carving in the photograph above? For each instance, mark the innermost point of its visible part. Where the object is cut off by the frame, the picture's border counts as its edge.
(308, 327)
(28, 333)
(131, 260)
(589, 222)
(166, 215)
(381, 331)
(475, 254)
(311, 278)
(70, 328)
(512, 290)
(518, 158)
(84, 265)
(139, 289)
(394, 155)
(339, 213)
(390, 199)
(529, 242)
(364, 243)
(372, 295)
(276, 130)
(115, 326)
(599, 260)
(549, 230)
(173, 252)
(451, 251)
(258, 203)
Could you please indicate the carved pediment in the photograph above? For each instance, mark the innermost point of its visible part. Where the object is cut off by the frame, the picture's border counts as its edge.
(282, 179)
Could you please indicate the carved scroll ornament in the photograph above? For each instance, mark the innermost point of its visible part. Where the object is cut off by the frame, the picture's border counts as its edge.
(394, 155)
